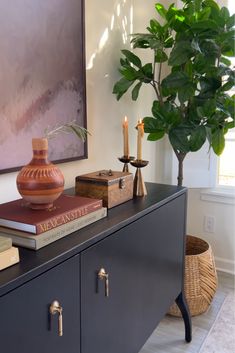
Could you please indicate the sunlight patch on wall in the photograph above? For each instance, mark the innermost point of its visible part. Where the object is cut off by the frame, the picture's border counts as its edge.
(104, 38)
(118, 10)
(131, 19)
(121, 20)
(90, 63)
(112, 23)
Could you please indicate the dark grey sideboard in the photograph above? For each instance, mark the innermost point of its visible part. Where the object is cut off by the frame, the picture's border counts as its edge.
(104, 288)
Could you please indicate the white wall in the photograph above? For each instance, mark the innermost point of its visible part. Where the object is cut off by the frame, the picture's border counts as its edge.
(222, 239)
(104, 39)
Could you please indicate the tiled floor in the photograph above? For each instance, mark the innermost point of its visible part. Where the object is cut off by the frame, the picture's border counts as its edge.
(221, 338)
(169, 335)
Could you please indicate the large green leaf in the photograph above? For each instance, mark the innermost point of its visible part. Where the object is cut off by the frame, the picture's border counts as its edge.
(172, 113)
(161, 10)
(150, 124)
(207, 108)
(228, 104)
(210, 49)
(153, 127)
(155, 27)
(226, 40)
(129, 73)
(165, 116)
(203, 63)
(197, 138)
(229, 125)
(146, 40)
(181, 53)
(215, 11)
(154, 136)
(204, 25)
(217, 72)
(189, 69)
(160, 56)
(178, 137)
(140, 41)
(209, 85)
(186, 92)
(171, 12)
(134, 59)
(212, 4)
(225, 61)
(135, 91)
(175, 80)
(147, 70)
(228, 85)
(204, 14)
(157, 112)
(225, 14)
(124, 62)
(168, 42)
(218, 141)
(228, 51)
(176, 18)
(121, 87)
(231, 21)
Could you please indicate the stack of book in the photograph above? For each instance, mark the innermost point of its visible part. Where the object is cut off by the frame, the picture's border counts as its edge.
(9, 255)
(36, 228)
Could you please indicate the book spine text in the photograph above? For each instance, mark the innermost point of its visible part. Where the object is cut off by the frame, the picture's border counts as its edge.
(65, 218)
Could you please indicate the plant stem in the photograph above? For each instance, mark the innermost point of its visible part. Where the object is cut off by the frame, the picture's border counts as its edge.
(180, 156)
(155, 89)
(159, 73)
(159, 83)
(156, 84)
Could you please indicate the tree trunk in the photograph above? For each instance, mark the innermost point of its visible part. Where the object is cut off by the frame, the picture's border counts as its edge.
(180, 157)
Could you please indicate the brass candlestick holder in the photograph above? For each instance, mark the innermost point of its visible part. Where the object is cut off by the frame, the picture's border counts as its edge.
(139, 185)
(126, 160)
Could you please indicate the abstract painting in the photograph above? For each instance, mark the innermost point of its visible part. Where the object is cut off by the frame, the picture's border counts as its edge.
(42, 78)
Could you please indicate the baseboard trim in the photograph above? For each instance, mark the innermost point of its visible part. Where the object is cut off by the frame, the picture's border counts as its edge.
(225, 265)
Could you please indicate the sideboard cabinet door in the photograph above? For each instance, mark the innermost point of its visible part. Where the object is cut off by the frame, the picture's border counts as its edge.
(26, 324)
(142, 267)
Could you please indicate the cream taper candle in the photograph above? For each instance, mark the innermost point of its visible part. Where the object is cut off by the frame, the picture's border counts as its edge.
(140, 128)
(125, 137)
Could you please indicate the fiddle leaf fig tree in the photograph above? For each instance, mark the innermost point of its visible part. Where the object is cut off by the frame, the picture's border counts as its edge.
(192, 103)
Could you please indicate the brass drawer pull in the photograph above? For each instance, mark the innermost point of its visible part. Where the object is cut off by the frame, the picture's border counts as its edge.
(102, 275)
(56, 308)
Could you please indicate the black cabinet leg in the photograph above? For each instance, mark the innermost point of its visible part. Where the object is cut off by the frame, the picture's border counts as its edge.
(183, 306)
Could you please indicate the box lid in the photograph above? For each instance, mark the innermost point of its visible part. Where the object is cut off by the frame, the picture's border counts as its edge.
(103, 177)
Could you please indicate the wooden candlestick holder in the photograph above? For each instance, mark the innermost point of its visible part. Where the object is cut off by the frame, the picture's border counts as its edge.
(139, 185)
(126, 160)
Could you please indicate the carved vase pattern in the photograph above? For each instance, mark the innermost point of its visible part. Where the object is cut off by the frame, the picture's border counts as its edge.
(40, 182)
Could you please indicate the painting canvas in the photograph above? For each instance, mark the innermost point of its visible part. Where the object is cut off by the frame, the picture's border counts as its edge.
(42, 78)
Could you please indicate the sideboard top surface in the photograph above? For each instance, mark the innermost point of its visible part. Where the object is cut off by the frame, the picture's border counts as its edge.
(33, 263)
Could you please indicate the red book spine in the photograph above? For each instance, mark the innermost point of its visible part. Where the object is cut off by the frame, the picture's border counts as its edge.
(66, 217)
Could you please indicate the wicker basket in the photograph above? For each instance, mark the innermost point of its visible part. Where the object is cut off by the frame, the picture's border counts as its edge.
(200, 277)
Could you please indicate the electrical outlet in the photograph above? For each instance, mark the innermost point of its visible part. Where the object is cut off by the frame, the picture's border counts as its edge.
(209, 224)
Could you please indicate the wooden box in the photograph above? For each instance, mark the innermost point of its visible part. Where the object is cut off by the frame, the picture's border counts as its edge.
(112, 187)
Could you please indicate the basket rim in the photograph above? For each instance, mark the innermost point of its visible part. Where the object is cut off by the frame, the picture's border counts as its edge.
(206, 244)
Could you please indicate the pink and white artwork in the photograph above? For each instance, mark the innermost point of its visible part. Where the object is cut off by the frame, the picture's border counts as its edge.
(42, 78)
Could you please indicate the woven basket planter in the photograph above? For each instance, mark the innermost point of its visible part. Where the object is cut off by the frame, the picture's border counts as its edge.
(200, 277)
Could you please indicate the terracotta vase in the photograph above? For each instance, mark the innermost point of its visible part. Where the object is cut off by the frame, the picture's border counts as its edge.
(40, 182)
